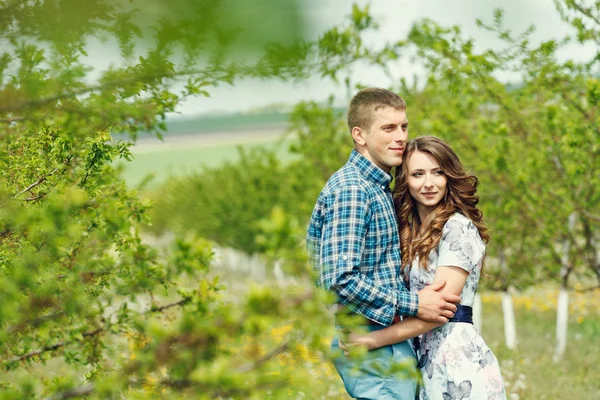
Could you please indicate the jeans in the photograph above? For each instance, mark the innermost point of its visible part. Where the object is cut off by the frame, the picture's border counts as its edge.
(372, 377)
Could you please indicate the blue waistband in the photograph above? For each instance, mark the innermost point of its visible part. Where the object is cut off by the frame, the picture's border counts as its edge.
(462, 314)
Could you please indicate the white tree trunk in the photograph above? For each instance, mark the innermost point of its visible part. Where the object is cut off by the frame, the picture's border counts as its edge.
(562, 311)
(562, 318)
(510, 331)
(508, 310)
(280, 277)
(477, 312)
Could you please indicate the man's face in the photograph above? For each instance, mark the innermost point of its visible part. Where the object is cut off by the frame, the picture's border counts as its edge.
(385, 141)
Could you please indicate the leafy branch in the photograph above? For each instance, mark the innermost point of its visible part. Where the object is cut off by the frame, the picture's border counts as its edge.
(73, 393)
(587, 11)
(36, 183)
(90, 334)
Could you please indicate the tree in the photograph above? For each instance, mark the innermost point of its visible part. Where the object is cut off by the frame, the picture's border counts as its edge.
(86, 306)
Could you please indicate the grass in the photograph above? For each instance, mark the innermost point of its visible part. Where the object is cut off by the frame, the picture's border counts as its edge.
(529, 371)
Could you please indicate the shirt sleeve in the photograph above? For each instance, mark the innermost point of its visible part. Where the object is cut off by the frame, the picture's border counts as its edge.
(461, 246)
(345, 227)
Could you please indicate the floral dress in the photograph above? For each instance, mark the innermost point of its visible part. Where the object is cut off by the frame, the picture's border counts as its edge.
(456, 362)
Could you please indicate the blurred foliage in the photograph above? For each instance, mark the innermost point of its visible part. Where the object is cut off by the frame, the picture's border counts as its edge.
(226, 204)
(88, 308)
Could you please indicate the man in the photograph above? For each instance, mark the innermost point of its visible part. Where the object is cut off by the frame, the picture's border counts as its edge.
(353, 242)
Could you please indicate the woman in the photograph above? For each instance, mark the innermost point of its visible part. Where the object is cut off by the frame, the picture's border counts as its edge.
(442, 238)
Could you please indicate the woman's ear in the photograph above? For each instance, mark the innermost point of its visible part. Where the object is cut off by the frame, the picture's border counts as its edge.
(358, 135)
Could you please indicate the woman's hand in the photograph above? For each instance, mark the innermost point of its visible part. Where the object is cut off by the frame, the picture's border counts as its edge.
(358, 339)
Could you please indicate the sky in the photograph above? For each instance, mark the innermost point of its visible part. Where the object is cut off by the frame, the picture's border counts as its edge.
(395, 17)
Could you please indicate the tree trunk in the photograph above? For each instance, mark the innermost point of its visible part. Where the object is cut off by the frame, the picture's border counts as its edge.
(510, 331)
(562, 312)
(592, 248)
(562, 318)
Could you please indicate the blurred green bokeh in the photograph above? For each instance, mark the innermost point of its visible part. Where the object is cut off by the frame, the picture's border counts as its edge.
(239, 24)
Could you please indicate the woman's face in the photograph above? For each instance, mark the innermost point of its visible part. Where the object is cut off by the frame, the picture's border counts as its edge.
(427, 183)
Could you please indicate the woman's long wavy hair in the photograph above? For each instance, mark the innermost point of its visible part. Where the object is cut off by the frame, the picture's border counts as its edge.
(418, 238)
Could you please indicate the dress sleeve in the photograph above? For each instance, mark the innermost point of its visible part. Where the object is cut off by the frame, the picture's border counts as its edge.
(460, 246)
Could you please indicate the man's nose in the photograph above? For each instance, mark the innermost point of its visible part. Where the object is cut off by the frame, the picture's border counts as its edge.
(400, 136)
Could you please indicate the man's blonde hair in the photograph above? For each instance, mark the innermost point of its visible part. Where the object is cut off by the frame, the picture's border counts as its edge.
(363, 105)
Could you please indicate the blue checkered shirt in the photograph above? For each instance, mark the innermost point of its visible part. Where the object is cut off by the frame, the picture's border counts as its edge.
(353, 242)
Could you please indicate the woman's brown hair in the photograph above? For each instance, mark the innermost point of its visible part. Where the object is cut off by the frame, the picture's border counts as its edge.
(418, 238)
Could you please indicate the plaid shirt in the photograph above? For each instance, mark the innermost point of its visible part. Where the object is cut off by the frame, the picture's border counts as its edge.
(353, 242)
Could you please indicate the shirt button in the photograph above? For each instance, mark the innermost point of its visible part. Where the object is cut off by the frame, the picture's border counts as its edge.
(345, 258)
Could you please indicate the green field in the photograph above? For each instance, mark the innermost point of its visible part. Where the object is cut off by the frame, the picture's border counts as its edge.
(191, 143)
(529, 371)
(163, 162)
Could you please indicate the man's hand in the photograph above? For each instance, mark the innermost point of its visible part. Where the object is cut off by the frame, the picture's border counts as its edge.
(435, 306)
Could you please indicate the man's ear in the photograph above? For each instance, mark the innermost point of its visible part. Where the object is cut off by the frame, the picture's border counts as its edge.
(358, 135)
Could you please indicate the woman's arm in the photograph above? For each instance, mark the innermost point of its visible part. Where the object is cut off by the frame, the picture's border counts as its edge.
(403, 330)
(455, 279)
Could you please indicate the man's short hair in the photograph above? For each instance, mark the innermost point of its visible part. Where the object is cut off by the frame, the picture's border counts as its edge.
(364, 104)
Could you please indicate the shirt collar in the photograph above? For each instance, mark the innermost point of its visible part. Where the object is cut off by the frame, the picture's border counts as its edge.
(369, 170)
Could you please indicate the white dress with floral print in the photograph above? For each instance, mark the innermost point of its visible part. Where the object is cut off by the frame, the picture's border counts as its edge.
(457, 364)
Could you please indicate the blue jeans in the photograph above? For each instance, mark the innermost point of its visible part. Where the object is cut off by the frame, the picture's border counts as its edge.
(372, 377)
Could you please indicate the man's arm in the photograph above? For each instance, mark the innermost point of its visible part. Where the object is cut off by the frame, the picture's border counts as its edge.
(406, 329)
(347, 216)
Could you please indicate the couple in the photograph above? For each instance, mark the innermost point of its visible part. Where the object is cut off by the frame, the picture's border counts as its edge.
(363, 239)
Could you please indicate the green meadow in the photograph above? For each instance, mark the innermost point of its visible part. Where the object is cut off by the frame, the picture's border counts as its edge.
(189, 145)
(164, 163)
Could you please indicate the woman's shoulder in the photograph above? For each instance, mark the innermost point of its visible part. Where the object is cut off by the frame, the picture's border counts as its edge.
(461, 242)
(459, 224)
(457, 220)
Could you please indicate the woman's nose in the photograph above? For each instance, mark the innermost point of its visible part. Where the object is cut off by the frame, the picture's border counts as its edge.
(428, 181)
